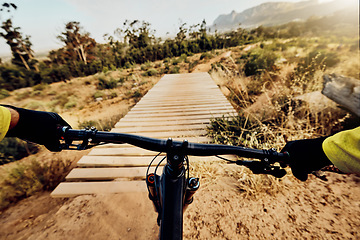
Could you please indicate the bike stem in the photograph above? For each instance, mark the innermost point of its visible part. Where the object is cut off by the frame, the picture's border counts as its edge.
(173, 185)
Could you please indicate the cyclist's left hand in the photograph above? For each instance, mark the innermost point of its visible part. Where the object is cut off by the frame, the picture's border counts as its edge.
(38, 127)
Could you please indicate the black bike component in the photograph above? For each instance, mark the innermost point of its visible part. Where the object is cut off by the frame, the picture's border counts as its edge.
(152, 144)
(171, 193)
(172, 185)
(193, 185)
(153, 193)
(262, 168)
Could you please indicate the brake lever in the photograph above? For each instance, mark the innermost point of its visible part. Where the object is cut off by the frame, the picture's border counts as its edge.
(262, 167)
(82, 146)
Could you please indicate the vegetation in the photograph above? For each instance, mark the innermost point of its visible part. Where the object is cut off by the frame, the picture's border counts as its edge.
(23, 180)
(270, 94)
(12, 149)
(269, 72)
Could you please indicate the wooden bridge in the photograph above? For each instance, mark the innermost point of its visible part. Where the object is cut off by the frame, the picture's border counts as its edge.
(179, 106)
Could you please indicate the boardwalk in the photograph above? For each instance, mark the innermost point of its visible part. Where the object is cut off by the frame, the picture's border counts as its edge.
(179, 106)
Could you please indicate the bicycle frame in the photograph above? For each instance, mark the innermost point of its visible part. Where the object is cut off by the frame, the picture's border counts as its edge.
(172, 192)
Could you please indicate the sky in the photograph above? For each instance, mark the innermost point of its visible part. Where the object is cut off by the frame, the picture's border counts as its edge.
(43, 20)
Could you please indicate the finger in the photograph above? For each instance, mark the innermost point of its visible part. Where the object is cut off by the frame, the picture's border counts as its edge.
(301, 175)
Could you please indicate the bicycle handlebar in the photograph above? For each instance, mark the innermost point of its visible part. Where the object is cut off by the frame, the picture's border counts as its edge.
(186, 148)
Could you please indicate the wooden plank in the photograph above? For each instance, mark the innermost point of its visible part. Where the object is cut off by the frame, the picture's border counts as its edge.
(73, 189)
(179, 106)
(180, 102)
(183, 109)
(113, 161)
(185, 113)
(140, 129)
(93, 174)
(168, 134)
(172, 118)
(130, 151)
(168, 123)
(210, 95)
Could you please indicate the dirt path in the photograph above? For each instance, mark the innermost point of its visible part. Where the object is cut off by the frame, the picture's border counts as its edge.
(205, 67)
(222, 209)
(291, 210)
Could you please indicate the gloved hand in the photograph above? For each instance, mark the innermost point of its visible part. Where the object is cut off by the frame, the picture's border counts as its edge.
(38, 127)
(306, 156)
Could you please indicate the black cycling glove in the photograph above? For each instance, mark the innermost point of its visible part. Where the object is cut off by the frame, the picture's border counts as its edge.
(306, 156)
(38, 127)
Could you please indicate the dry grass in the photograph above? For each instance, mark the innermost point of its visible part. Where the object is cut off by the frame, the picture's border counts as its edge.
(275, 108)
(22, 180)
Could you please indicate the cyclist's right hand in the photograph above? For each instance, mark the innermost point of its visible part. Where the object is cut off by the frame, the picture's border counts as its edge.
(306, 156)
(38, 127)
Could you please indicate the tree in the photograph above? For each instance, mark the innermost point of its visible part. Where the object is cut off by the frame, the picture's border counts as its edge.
(78, 43)
(23, 55)
(138, 34)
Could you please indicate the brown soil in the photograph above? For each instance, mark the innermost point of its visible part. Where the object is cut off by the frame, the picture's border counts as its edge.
(292, 210)
(222, 209)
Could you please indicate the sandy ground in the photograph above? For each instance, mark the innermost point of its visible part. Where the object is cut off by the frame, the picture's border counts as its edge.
(222, 209)
(291, 210)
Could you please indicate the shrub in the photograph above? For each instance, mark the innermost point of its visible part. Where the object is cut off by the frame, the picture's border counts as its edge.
(105, 69)
(70, 104)
(137, 94)
(112, 95)
(233, 130)
(258, 61)
(26, 179)
(35, 105)
(176, 61)
(174, 70)
(39, 87)
(102, 124)
(205, 55)
(106, 84)
(4, 93)
(193, 64)
(146, 66)
(328, 59)
(151, 72)
(12, 149)
(98, 94)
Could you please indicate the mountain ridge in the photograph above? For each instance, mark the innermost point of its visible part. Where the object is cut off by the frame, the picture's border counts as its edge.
(275, 13)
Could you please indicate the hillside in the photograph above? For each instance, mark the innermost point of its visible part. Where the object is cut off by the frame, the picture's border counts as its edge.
(261, 80)
(275, 13)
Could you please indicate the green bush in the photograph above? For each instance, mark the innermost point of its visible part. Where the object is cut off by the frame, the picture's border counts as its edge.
(205, 55)
(174, 70)
(106, 84)
(26, 179)
(259, 60)
(4, 93)
(151, 72)
(102, 125)
(12, 149)
(98, 94)
(39, 87)
(176, 61)
(146, 66)
(70, 104)
(328, 59)
(232, 130)
(137, 94)
(112, 95)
